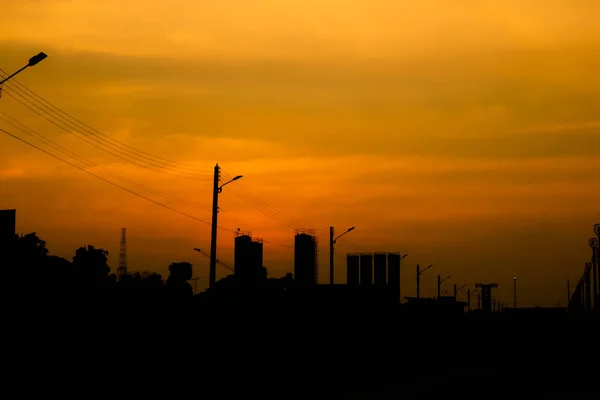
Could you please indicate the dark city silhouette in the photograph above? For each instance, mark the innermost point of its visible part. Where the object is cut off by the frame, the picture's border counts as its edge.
(122, 329)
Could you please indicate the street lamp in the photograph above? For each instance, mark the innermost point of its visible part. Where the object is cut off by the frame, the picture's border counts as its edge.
(469, 293)
(215, 211)
(332, 242)
(419, 272)
(457, 289)
(440, 281)
(32, 61)
(515, 291)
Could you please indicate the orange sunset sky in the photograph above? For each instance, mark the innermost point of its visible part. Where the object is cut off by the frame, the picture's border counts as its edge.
(464, 133)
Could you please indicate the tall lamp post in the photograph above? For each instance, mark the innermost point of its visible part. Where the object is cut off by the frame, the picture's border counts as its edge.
(419, 272)
(215, 211)
(514, 292)
(440, 281)
(332, 242)
(32, 61)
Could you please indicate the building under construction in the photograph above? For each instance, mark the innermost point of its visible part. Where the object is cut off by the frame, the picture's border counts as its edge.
(306, 257)
(248, 258)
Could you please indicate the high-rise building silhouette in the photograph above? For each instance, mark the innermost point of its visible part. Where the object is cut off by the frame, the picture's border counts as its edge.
(352, 269)
(306, 257)
(248, 258)
(122, 268)
(379, 268)
(366, 269)
(393, 262)
(8, 224)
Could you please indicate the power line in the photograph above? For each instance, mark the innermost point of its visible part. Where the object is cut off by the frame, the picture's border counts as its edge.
(31, 132)
(150, 156)
(90, 139)
(112, 183)
(64, 150)
(262, 206)
(35, 103)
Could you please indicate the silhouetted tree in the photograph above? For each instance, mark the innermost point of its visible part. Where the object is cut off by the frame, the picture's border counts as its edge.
(32, 246)
(177, 283)
(91, 266)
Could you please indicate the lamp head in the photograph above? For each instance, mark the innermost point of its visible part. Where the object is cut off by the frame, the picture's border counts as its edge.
(237, 177)
(351, 229)
(36, 59)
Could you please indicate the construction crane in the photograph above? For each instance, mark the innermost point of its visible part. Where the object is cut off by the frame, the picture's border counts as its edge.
(218, 262)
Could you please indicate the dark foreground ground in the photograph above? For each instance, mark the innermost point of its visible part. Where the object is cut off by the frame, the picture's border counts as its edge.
(136, 351)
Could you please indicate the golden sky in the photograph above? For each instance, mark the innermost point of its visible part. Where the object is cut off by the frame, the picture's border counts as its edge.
(464, 133)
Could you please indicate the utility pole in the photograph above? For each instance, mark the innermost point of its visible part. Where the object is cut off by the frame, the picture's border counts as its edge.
(331, 242)
(213, 235)
(455, 291)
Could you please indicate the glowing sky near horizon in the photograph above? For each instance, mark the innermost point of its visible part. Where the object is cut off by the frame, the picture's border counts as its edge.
(463, 133)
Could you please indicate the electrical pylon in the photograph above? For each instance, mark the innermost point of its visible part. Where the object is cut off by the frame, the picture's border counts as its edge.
(122, 269)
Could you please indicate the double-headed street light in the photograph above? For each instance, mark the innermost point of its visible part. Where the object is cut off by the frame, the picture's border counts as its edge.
(332, 242)
(32, 61)
(440, 281)
(215, 211)
(419, 272)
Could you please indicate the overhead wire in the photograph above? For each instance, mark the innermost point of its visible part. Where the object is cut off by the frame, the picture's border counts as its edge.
(111, 182)
(68, 116)
(262, 206)
(24, 128)
(91, 133)
(95, 142)
(33, 133)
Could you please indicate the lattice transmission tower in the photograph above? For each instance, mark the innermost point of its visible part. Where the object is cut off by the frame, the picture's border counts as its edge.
(122, 269)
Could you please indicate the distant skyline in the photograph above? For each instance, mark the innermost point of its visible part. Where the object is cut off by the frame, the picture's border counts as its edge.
(465, 135)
